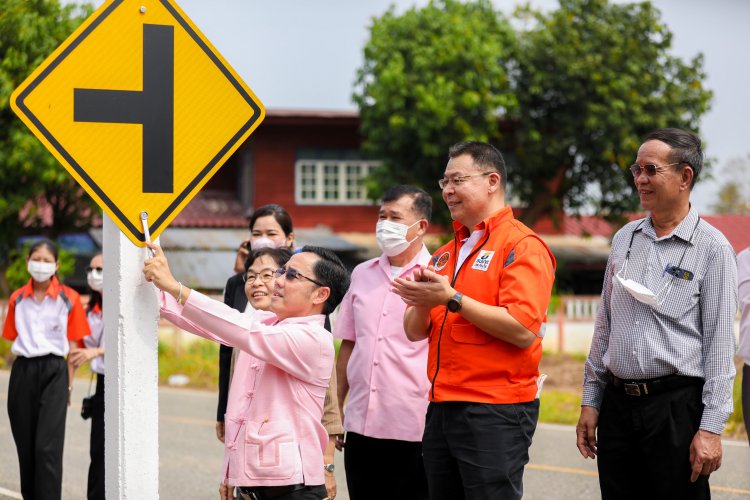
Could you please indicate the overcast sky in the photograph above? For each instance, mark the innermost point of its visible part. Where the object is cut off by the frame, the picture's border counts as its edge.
(304, 54)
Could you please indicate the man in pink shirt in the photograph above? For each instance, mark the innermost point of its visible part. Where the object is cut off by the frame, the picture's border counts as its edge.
(383, 372)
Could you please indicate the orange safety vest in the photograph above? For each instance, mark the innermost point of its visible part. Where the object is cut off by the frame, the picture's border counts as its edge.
(465, 363)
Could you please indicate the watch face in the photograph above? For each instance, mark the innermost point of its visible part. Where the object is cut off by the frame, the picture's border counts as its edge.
(454, 304)
(329, 467)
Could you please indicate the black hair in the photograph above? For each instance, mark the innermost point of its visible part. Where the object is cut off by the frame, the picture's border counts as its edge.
(485, 156)
(95, 298)
(421, 203)
(44, 242)
(279, 214)
(686, 148)
(280, 255)
(330, 271)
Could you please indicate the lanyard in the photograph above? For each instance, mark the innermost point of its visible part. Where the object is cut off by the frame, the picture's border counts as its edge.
(679, 264)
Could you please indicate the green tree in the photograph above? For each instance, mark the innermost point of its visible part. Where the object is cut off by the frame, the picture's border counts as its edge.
(734, 194)
(31, 180)
(431, 77)
(570, 94)
(593, 78)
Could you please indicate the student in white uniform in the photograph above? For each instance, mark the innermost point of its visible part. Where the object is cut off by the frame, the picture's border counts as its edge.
(45, 321)
(94, 352)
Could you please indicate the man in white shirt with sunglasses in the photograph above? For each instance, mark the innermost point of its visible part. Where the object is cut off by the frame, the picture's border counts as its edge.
(657, 388)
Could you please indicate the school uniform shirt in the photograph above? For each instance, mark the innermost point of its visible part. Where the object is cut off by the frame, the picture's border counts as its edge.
(96, 339)
(387, 377)
(273, 434)
(46, 327)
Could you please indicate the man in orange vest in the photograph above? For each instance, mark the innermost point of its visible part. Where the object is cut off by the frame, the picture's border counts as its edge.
(482, 304)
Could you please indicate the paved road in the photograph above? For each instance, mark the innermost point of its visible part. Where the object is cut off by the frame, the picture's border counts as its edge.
(190, 455)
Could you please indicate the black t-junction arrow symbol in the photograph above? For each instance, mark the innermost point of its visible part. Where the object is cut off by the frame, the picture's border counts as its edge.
(153, 107)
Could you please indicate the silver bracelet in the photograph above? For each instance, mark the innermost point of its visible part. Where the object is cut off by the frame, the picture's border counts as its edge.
(179, 299)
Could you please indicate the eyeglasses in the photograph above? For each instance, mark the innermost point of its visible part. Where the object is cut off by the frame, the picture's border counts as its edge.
(250, 277)
(458, 180)
(97, 269)
(292, 274)
(650, 169)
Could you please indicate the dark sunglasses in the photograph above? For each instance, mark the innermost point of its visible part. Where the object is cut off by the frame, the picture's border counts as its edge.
(292, 274)
(650, 169)
(97, 269)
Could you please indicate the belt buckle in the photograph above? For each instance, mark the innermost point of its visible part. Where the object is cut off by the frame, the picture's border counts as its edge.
(247, 495)
(632, 389)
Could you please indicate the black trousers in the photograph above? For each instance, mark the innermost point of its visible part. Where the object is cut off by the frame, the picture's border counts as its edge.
(384, 468)
(644, 444)
(477, 451)
(37, 407)
(96, 443)
(317, 492)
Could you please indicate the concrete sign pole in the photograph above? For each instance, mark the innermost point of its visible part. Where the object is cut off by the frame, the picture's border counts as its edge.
(131, 419)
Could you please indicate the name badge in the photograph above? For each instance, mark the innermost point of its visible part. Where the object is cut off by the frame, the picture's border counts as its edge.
(680, 273)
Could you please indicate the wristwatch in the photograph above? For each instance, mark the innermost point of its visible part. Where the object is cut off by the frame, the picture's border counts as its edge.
(454, 304)
(329, 467)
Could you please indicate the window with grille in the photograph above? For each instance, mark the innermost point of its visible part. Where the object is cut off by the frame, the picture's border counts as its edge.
(332, 182)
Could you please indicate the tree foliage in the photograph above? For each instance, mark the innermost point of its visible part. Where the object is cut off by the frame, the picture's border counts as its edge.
(574, 89)
(593, 79)
(30, 177)
(734, 194)
(431, 77)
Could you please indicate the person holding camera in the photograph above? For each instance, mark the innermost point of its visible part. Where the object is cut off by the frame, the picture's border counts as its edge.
(45, 321)
(93, 406)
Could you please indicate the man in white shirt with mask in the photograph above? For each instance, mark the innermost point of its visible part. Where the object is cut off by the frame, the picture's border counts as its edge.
(383, 373)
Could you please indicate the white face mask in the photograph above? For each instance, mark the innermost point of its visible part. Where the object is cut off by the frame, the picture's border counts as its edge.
(41, 271)
(638, 291)
(641, 293)
(95, 280)
(264, 242)
(391, 237)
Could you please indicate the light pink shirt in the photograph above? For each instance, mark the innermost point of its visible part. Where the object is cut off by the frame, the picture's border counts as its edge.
(273, 434)
(743, 279)
(387, 373)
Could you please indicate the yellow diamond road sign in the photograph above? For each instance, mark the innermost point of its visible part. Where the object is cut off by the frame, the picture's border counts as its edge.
(140, 108)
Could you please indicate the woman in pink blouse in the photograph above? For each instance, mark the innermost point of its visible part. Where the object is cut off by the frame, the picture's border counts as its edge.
(274, 440)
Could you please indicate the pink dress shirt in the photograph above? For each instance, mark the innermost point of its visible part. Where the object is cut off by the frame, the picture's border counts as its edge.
(273, 434)
(387, 377)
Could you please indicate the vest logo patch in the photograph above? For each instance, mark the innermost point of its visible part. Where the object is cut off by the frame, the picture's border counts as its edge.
(482, 262)
(442, 261)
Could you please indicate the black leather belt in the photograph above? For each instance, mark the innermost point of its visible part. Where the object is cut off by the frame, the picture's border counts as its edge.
(267, 492)
(653, 386)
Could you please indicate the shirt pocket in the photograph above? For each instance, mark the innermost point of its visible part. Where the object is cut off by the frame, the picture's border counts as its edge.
(54, 329)
(469, 334)
(271, 450)
(682, 298)
(463, 360)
